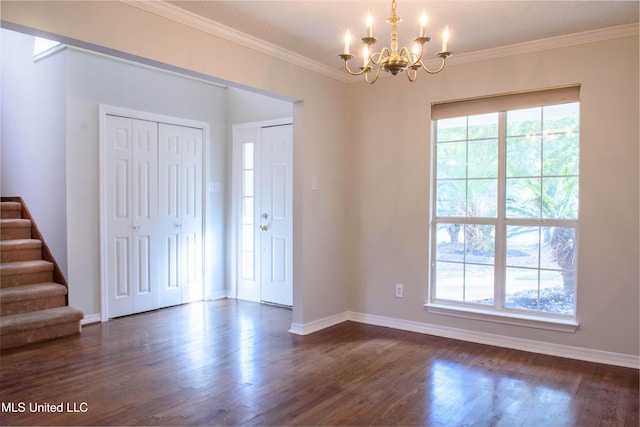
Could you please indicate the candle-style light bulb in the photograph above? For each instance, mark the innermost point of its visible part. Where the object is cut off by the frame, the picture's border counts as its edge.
(347, 42)
(416, 52)
(445, 39)
(423, 23)
(369, 25)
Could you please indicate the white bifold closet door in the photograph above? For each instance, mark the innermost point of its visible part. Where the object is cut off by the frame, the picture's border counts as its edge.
(153, 215)
(180, 214)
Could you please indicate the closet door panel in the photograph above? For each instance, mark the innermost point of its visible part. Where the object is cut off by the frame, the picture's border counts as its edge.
(145, 211)
(118, 216)
(191, 214)
(169, 215)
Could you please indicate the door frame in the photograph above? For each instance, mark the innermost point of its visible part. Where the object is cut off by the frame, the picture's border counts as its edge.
(236, 181)
(105, 110)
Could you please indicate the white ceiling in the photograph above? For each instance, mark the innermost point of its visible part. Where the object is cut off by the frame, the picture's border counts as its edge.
(315, 29)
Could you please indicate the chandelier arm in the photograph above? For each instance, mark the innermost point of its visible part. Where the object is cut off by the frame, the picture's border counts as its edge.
(346, 57)
(412, 73)
(366, 76)
(437, 70)
(379, 55)
(413, 59)
(355, 73)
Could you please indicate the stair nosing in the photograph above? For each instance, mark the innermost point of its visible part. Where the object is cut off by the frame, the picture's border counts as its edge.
(20, 242)
(15, 220)
(42, 318)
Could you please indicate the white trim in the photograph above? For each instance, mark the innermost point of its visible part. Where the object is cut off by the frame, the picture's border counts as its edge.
(507, 318)
(138, 62)
(49, 52)
(197, 22)
(264, 123)
(317, 325)
(91, 318)
(564, 40)
(231, 34)
(557, 350)
(220, 294)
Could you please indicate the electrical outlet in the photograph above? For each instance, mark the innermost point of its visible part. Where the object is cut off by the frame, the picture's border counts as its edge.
(399, 290)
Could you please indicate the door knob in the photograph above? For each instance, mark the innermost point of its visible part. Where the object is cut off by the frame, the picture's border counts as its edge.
(264, 227)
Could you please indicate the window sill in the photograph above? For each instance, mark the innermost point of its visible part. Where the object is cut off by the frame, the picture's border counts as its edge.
(516, 319)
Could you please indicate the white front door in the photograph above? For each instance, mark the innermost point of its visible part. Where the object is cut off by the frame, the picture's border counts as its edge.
(275, 215)
(264, 158)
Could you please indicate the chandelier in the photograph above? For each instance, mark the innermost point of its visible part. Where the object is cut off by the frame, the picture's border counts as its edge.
(392, 60)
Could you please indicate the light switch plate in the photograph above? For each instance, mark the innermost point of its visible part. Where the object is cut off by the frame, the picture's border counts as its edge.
(214, 187)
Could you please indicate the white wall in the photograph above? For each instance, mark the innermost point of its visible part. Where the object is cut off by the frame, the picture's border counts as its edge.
(33, 118)
(391, 211)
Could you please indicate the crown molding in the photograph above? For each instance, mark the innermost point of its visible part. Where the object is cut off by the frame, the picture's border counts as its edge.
(197, 22)
(565, 40)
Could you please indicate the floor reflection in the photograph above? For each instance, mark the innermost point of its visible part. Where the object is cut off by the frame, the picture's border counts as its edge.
(462, 395)
(246, 367)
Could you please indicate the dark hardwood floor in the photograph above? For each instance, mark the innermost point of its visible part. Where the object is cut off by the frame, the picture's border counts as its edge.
(234, 363)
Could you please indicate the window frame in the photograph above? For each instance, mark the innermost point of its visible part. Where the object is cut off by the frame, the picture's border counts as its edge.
(498, 312)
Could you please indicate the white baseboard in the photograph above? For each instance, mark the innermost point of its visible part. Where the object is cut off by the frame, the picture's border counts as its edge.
(316, 325)
(222, 294)
(91, 318)
(558, 350)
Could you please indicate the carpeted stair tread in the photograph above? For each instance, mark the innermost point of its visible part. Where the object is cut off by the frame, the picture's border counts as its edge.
(35, 291)
(20, 250)
(21, 273)
(15, 228)
(22, 267)
(39, 319)
(10, 210)
(17, 222)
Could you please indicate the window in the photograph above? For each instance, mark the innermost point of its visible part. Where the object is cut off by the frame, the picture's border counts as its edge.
(44, 47)
(247, 196)
(505, 206)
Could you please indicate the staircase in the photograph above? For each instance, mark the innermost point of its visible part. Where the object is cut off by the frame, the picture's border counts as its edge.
(33, 292)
